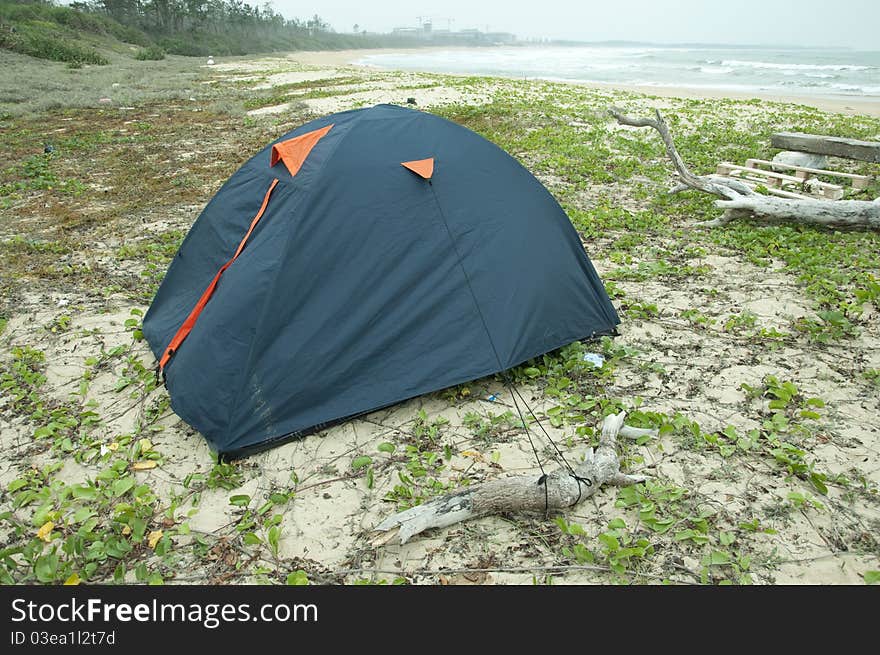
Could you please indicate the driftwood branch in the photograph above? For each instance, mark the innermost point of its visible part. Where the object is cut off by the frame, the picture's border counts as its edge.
(827, 145)
(739, 201)
(522, 493)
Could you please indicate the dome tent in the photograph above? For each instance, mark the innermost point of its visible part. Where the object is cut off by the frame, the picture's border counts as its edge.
(363, 259)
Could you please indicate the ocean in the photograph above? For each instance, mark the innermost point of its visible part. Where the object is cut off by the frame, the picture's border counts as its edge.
(783, 71)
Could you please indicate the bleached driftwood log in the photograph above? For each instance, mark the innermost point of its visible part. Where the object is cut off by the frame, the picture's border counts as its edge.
(833, 146)
(739, 201)
(520, 493)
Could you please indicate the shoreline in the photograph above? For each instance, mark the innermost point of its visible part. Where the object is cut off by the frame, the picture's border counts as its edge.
(851, 105)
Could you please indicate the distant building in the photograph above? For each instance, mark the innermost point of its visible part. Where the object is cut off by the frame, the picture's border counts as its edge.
(427, 32)
(500, 37)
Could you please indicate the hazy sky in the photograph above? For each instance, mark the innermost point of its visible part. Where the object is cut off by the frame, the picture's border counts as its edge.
(847, 23)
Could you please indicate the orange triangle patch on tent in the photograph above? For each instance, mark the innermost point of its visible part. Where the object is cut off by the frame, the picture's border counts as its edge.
(293, 152)
(423, 167)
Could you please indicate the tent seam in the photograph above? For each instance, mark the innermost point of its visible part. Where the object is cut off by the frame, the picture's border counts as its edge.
(613, 316)
(467, 278)
(271, 287)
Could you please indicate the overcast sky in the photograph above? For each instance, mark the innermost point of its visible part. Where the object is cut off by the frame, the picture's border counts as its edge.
(847, 23)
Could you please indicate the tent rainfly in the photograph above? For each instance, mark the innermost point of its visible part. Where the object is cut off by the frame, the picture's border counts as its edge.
(363, 259)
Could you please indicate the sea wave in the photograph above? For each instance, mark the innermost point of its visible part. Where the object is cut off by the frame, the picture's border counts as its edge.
(716, 70)
(856, 88)
(794, 67)
(742, 72)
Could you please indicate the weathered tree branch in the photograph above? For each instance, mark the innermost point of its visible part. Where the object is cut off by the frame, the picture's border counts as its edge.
(739, 201)
(520, 493)
(830, 213)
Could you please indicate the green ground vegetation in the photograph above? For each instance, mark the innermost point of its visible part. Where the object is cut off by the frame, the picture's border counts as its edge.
(99, 489)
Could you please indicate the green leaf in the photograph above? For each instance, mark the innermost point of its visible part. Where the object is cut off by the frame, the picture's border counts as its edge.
(576, 530)
(82, 514)
(155, 579)
(617, 524)
(298, 578)
(361, 462)
(691, 535)
(700, 524)
(660, 525)
(628, 496)
(273, 536)
(138, 529)
(386, 447)
(818, 480)
(626, 553)
(140, 491)
(251, 539)
(719, 557)
(122, 486)
(89, 525)
(240, 500)
(871, 577)
(164, 546)
(583, 555)
(46, 567)
(15, 485)
(532, 372)
(610, 542)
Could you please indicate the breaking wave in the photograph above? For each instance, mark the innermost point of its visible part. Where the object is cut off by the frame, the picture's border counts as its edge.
(794, 67)
(797, 71)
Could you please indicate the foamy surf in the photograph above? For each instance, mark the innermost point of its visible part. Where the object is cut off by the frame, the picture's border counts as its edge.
(794, 71)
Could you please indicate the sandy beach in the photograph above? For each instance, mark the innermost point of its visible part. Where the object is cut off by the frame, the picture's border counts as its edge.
(753, 349)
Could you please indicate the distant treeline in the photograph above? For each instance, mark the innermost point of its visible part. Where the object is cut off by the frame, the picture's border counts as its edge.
(186, 27)
(218, 27)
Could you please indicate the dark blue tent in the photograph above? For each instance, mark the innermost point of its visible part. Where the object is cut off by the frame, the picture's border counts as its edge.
(363, 259)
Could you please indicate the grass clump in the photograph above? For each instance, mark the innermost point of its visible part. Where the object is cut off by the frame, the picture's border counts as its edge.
(151, 53)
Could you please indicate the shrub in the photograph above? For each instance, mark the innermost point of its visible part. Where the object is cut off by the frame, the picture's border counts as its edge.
(41, 40)
(152, 53)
